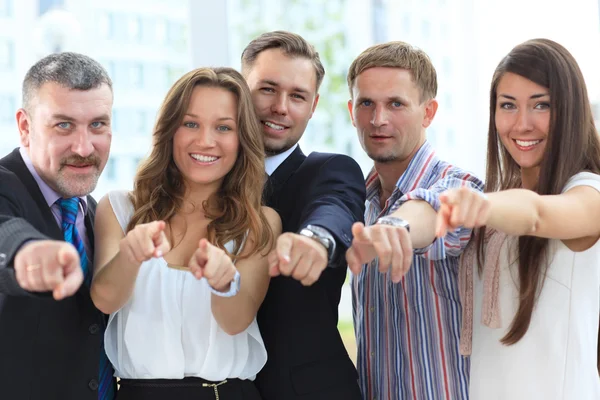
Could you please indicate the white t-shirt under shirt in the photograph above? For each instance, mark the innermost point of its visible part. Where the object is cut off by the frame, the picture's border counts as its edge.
(556, 359)
(167, 330)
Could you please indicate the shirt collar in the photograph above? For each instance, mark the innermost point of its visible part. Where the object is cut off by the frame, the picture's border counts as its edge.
(49, 194)
(409, 180)
(273, 162)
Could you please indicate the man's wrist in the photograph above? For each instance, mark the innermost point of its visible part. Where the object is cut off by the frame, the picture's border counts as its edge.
(323, 237)
(393, 221)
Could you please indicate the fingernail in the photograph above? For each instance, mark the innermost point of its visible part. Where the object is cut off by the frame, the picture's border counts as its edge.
(159, 253)
(286, 258)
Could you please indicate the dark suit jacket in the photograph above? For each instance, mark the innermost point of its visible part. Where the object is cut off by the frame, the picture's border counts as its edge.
(306, 356)
(48, 349)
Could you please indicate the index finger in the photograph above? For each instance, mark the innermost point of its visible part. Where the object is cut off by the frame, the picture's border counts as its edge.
(284, 248)
(360, 232)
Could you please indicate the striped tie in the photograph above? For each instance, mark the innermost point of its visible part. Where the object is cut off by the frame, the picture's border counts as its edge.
(69, 209)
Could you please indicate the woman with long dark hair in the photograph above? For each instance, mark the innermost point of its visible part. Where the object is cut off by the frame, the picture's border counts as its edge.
(181, 260)
(530, 282)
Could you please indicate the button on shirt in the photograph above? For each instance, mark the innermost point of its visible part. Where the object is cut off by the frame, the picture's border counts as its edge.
(408, 333)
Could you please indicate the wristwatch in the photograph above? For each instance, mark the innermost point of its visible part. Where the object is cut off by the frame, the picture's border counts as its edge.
(394, 221)
(322, 236)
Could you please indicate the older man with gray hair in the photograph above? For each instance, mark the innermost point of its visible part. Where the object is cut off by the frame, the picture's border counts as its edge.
(51, 335)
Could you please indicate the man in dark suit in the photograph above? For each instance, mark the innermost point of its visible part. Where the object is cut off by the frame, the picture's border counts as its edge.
(51, 335)
(318, 197)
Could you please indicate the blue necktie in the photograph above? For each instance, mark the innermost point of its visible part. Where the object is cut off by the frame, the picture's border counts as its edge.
(69, 209)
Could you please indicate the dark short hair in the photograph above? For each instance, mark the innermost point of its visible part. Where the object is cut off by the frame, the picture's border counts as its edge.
(292, 45)
(71, 70)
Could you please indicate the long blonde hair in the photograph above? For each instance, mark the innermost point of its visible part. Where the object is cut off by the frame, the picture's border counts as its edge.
(236, 207)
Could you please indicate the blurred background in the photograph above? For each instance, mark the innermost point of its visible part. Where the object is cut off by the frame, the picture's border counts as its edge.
(148, 44)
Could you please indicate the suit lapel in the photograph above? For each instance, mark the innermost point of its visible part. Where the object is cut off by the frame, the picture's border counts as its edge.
(14, 162)
(277, 180)
(283, 173)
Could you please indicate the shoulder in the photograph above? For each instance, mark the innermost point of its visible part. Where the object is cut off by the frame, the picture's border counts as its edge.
(443, 170)
(272, 217)
(115, 204)
(584, 178)
(12, 189)
(331, 163)
(330, 158)
(10, 180)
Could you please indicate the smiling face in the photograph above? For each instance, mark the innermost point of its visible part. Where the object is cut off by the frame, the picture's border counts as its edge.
(284, 95)
(523, 120)
(67, 135)
(388, 114)
(205, 146)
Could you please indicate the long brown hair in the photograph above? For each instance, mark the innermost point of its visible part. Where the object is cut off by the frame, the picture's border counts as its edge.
(236, 207)
(572, 146)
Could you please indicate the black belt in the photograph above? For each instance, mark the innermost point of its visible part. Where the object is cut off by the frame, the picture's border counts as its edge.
(188, 381)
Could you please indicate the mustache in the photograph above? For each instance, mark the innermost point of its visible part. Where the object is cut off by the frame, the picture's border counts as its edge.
(77, 161)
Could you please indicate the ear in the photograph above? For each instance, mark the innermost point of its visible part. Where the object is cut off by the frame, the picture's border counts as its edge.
(24, 125)
(314, 106)
(431, 107)
(351, 111)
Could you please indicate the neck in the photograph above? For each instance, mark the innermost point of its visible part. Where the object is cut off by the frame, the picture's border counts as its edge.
(195, 197)
(529, 177)
(390, 172)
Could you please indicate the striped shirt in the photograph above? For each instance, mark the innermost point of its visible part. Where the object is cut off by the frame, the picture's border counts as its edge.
(408, 333)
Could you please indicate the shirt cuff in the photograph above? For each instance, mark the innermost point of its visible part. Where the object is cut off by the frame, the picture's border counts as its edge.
(234, 287)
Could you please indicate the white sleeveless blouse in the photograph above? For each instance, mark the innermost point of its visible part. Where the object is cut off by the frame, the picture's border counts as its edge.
(167, 330)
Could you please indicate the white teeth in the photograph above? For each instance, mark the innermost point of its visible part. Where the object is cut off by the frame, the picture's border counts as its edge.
(527, 143)
(201, 158)
(274, 126)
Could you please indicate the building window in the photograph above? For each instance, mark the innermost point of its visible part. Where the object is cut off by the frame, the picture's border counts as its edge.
(173, 73)
(177, 35)
(110, 170)
(141, 122)
(447, 66)
(107, 25)
(406, 24)
(136, 75)
(6, 8)
(380, 25)
(7, 54)
(425, 30)
(450, 138)
(46, 5)
(7, 109)
(134, 28)
(115, 121)
(160, 32)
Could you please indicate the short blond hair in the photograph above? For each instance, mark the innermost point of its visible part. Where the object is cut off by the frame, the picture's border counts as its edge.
(397, 55)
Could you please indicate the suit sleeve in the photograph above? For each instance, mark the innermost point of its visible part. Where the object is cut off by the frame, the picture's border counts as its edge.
(336, 202)
(14, 232)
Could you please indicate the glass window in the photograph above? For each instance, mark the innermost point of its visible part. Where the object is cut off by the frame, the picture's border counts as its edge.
(425, 29)
(45, 5)
(7, 54)
(110, 170)
(6, 8)
(107, 25)
(7, 109)
(134, 28)
(176, 35)
(160, 30)
(136, 75)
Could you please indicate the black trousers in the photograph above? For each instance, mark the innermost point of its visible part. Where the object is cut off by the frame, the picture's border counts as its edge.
(187, 388)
